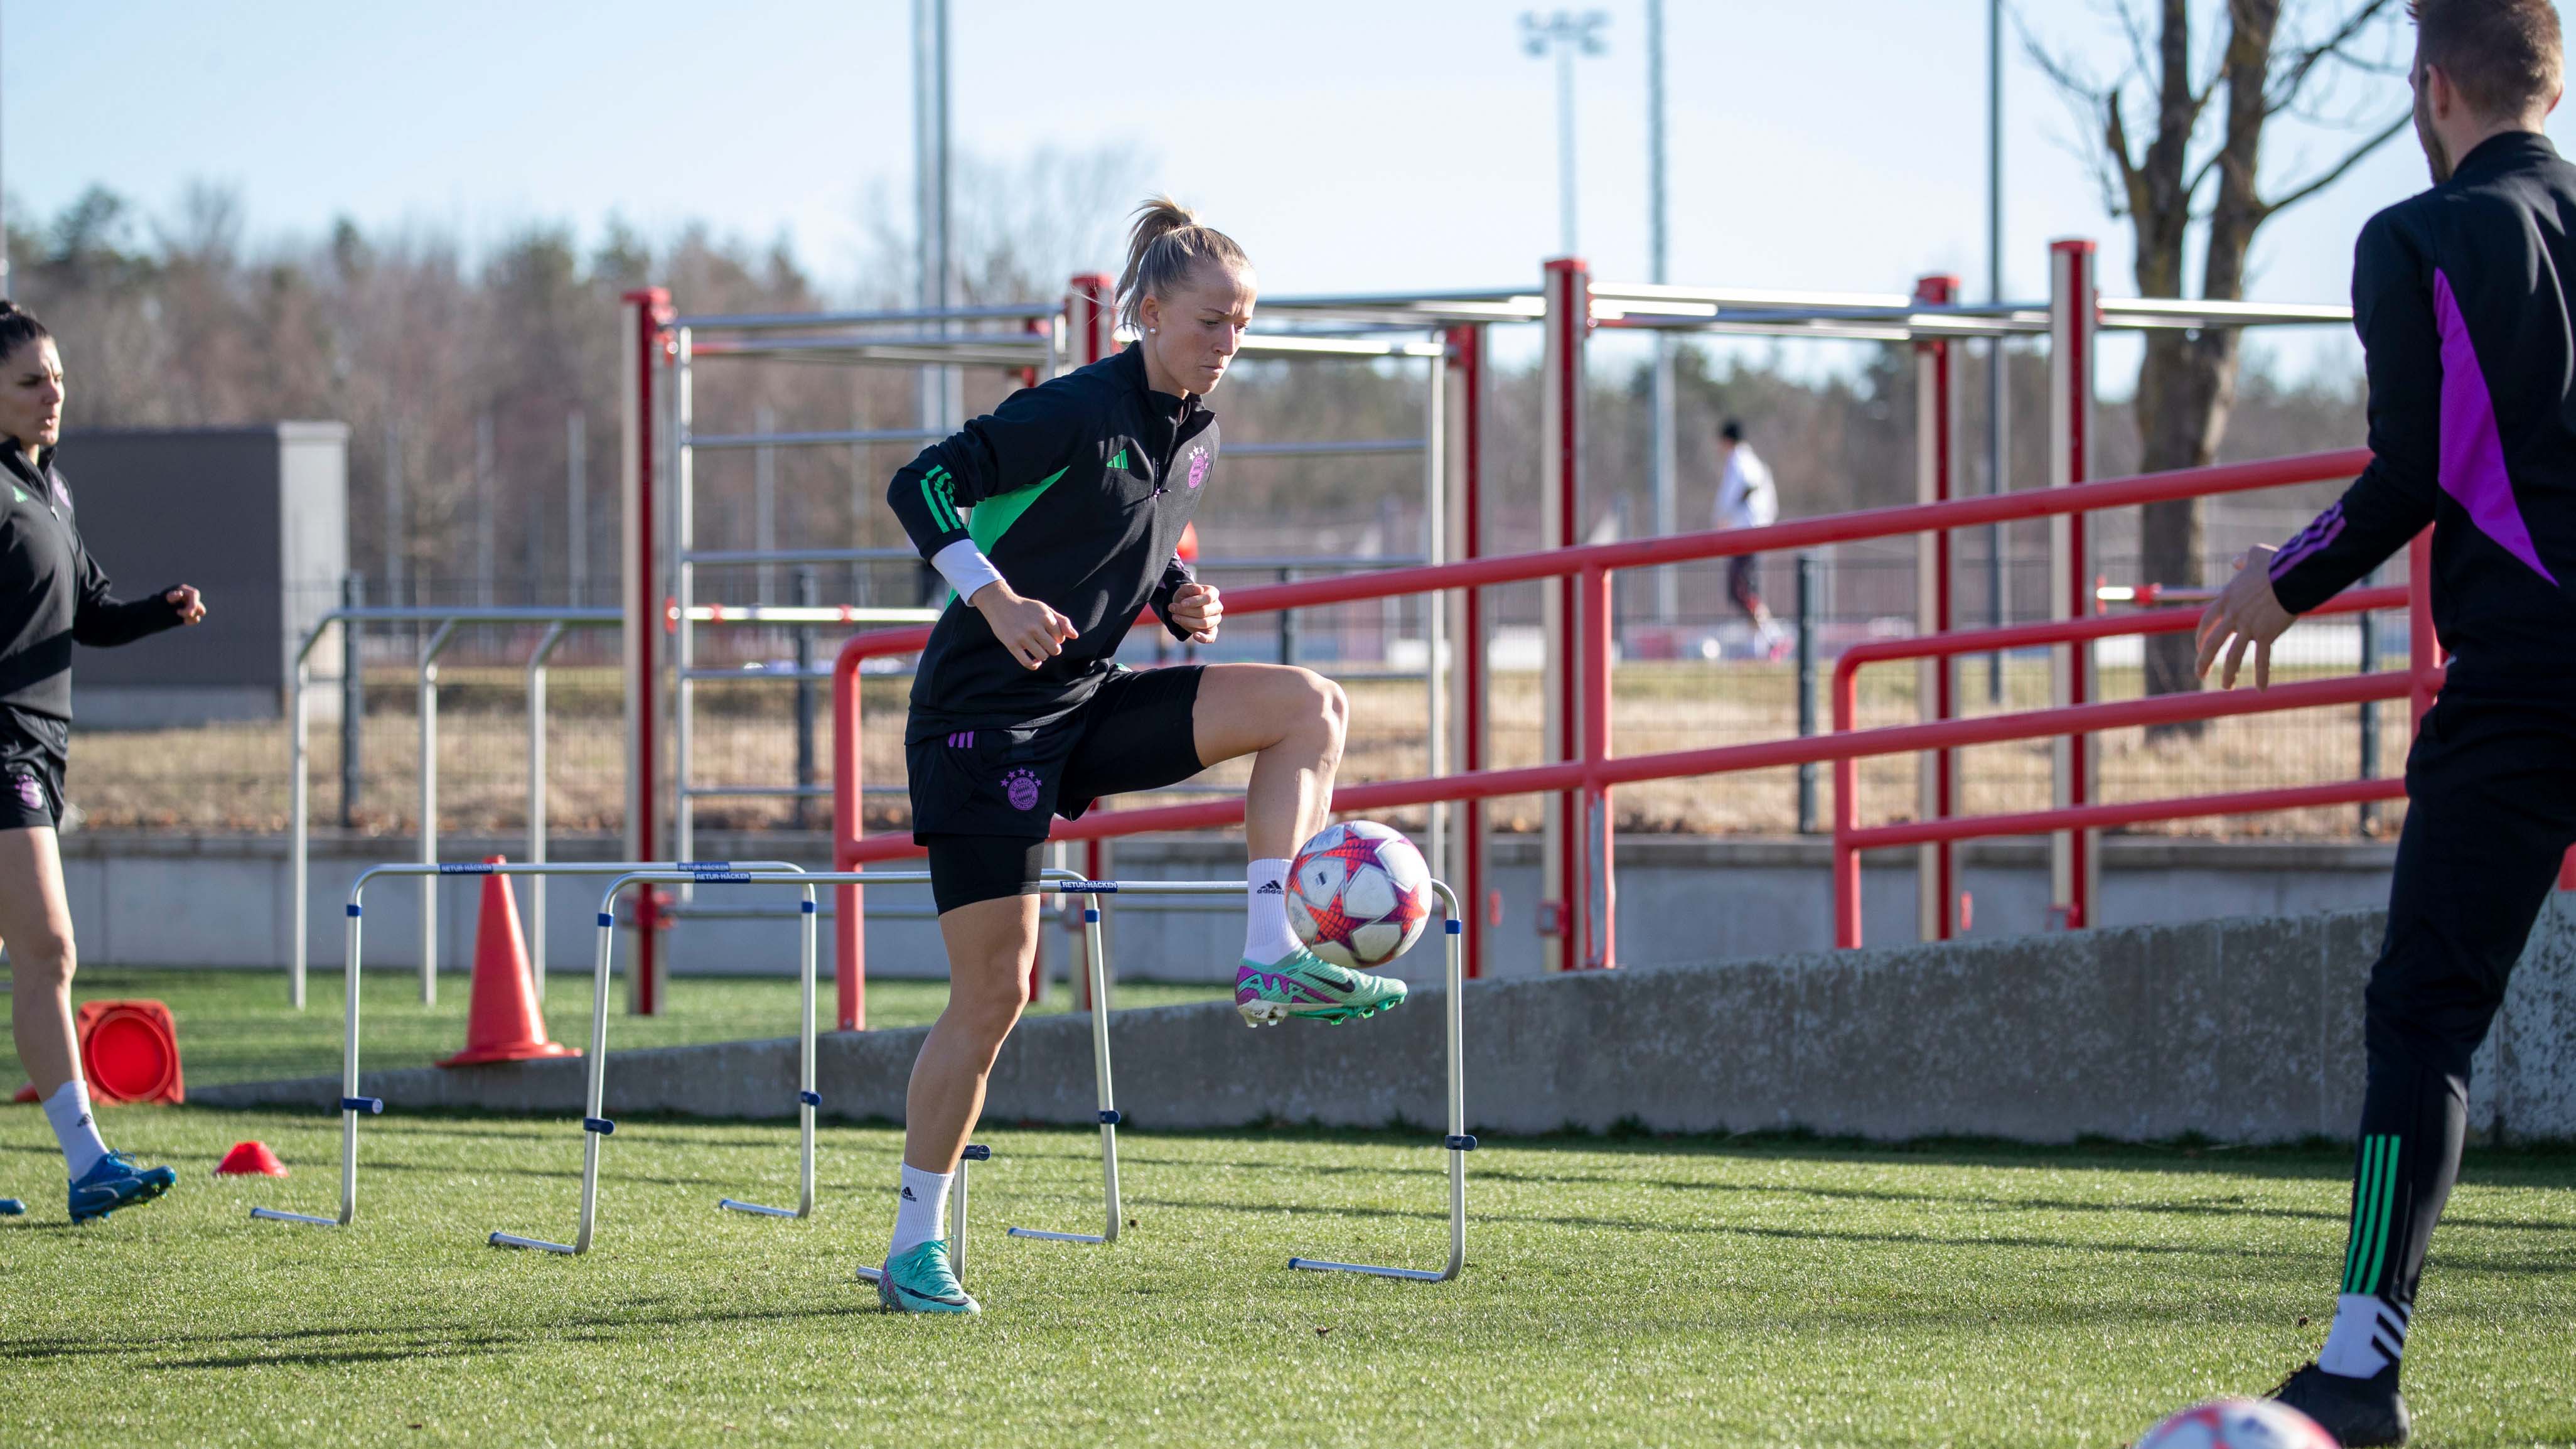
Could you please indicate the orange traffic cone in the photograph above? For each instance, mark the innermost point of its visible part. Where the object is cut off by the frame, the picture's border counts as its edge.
(249, 1159)
(504, 1024)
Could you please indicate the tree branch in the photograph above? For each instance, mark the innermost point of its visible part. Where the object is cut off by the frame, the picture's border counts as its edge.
(2302, 62)
(2113, 168)
(2263, 210)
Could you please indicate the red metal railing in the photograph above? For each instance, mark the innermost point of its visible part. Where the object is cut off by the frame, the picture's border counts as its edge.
(1596, 772)
(1850, 839)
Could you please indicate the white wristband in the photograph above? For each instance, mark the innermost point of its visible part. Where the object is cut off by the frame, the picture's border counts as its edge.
(965, 568)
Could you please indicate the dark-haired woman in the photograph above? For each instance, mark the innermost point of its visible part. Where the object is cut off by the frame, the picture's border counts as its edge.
(1056, 519)
(52, 596)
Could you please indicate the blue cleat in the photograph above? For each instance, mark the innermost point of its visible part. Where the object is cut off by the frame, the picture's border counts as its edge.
(116, 1181)
(921, 1281)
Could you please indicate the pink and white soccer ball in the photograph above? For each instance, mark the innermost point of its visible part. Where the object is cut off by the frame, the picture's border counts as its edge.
(1359, 894)
(2238, 1424)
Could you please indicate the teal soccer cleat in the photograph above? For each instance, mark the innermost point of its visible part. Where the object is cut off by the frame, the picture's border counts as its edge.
(921, 1281)
(1303, 984)
(114, 1182)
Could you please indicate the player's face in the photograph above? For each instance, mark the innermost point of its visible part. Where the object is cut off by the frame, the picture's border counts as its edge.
(31, 394)
(1196, 332)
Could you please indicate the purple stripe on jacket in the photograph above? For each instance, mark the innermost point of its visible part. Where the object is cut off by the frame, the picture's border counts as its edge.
(2472, 460)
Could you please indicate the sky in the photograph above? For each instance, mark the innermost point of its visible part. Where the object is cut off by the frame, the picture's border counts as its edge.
(1351, 145)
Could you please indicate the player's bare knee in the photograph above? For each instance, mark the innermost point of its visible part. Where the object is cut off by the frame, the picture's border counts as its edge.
(1327, 708)
(42, 961)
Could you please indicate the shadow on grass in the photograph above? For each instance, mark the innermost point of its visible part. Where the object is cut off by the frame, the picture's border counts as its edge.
(424, 1342)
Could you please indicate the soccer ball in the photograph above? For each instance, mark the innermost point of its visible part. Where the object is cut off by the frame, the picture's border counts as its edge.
(2238, 1424)
(1358, 895)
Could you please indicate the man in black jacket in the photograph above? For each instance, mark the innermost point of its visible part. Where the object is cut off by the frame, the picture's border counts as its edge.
(2462, 298)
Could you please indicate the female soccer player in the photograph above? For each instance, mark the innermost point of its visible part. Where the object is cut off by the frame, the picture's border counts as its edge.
(52, 596)
(1056, 519)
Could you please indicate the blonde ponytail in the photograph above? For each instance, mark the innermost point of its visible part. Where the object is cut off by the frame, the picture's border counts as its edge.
(1164, 246)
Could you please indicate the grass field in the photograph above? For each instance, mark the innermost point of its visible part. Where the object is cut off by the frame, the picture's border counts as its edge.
(234, 1026)
(1618, 1291)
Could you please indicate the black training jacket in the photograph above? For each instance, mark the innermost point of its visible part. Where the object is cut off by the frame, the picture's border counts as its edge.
(53, 595)
(2461, 295)
(1077, 490)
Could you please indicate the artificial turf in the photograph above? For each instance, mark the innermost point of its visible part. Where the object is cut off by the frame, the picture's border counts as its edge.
(1744, 1291)
(234, 1026)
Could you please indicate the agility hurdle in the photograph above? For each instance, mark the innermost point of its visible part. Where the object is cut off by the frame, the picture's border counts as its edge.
(1458, 1142)
(351, 1103)
(596, 1124)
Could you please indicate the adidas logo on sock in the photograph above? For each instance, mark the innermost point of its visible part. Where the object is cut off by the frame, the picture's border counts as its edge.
(1268, 888)
(907, 1195)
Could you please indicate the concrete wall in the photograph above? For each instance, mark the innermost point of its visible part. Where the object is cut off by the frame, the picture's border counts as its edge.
(2245, 1030)
(145, 899)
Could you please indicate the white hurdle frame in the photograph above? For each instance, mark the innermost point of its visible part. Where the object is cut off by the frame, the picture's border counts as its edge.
(351, 1103)
(1458, 1141)
(595, 1125)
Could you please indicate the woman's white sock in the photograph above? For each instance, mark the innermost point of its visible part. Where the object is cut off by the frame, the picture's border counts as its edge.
(1266, 937)
(921, 1212)
(68, 1110)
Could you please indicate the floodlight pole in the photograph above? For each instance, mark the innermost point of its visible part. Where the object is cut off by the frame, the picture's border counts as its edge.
(1667, 484)
(1997, 358)
(930, 117)
(1564, 33)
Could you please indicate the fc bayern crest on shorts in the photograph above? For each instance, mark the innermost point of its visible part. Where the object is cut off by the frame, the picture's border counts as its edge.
(1022, 788)
(1198, 466)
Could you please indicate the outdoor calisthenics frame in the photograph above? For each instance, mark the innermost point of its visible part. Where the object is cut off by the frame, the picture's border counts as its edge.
(352, 1103)
(596, 1124)
(1077, 329)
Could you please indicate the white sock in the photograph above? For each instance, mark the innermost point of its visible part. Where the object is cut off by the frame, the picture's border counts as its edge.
(1266, 937)
(75, 1128)
(2368, 1335)
(921, 1211)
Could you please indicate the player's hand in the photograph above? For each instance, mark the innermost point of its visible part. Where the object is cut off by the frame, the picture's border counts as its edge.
(191, 605)
(1197, 611)
(2245, 613)
(1032, 632)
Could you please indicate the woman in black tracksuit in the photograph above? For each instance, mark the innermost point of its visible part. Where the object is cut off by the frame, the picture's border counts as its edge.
(52, 595)
(1057, 519)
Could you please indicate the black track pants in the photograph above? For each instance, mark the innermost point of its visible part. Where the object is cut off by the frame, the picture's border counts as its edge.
(2492, 810)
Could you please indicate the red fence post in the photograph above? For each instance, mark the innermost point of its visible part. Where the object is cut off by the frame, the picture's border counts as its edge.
(1569, 325)
(2073, 309)
(647, 310)
(1936, 452)
(849, 821)
(1600, 863)
(1847, 929)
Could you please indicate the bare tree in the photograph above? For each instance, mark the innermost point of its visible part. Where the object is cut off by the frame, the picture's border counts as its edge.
(2199, 172)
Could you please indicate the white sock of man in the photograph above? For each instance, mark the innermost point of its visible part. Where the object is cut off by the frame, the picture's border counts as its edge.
(921, 1211)
(2368, 1335)
(68, 1110)
(1266, 937)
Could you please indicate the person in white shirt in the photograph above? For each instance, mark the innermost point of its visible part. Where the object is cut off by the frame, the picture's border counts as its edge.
(1746, 499)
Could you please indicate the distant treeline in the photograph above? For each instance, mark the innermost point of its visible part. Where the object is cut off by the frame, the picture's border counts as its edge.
(461, 370)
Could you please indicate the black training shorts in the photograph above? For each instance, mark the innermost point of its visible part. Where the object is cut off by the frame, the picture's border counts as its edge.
(31, 780)
(981, 798)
